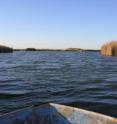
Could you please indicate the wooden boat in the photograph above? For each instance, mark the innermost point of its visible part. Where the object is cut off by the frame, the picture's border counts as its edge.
(55, 114)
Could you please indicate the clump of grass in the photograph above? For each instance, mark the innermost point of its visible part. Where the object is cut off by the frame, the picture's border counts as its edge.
(109, 49)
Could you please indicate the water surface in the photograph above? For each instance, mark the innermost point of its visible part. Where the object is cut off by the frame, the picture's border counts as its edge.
(82, 79)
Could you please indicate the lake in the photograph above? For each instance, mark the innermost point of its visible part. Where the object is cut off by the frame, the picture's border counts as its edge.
(85, 79)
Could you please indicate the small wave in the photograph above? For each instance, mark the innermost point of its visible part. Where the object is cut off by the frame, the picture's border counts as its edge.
(12, 94)
(64, 92)
(93, 89)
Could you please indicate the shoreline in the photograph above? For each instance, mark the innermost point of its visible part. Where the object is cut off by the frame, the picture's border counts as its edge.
(5, 49)
(72, 50)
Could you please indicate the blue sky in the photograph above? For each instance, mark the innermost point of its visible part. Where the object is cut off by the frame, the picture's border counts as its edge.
(57, 23)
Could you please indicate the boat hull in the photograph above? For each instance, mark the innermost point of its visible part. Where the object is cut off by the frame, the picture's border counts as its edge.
(55, 114)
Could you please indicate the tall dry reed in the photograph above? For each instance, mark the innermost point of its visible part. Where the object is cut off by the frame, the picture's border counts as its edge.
(109, 49)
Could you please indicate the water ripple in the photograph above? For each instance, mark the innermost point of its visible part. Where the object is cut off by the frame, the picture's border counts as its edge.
(81, 79)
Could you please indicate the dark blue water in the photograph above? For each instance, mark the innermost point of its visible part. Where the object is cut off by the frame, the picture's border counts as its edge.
(82, 79)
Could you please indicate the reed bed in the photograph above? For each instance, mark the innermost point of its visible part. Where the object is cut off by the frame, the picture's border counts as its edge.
(109, 49)
(5, 49)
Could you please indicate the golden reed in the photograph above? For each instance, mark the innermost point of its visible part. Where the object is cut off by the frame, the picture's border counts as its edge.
(109, 49)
